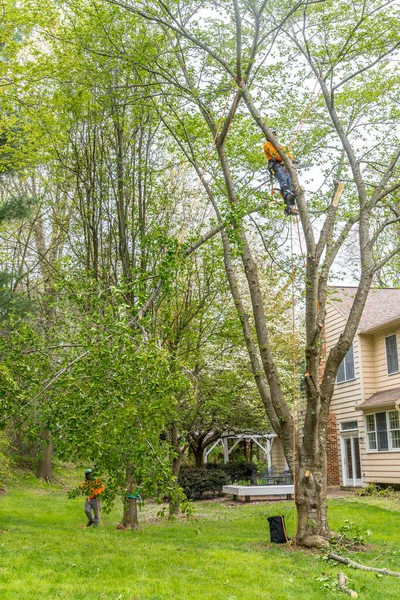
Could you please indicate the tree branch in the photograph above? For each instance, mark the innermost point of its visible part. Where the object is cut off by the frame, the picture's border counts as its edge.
(355, 565)
(178, 29)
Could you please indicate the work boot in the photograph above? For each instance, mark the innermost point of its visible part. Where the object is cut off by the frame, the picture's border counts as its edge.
(89, 523)
(289, 198)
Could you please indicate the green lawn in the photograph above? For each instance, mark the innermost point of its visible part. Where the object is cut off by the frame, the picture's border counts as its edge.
(223, 555)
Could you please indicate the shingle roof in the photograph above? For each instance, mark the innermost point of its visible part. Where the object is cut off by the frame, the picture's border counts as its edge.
(381, 398)
(382, 306)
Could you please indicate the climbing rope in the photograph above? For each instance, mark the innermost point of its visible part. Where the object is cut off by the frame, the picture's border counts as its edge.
(303, 117)
(294, 416)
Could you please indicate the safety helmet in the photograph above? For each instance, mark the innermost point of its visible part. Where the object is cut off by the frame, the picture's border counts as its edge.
(88, 471)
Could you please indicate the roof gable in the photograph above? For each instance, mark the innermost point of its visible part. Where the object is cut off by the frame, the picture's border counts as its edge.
(382, 306)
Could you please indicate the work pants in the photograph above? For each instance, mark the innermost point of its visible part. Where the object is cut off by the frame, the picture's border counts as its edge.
(93, 506)
(282, 175)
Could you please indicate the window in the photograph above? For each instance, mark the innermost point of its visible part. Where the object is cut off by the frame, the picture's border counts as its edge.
(346, 370)
(394, 428)
(383, 431)
(348, 426)
(391, 354)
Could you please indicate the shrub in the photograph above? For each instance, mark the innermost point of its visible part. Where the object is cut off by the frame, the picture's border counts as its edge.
(373, 489)
(196, 482)
(236, 471)
(350, 536)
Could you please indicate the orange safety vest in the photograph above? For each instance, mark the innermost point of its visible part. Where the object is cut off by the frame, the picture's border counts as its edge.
(271, 153)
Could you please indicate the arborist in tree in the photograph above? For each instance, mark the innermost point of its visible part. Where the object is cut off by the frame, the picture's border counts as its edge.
(93, 487)
(277, 168)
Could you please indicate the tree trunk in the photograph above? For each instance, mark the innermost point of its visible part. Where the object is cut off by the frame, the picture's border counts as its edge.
(198, 452)
(130, 515)
(311, 498)
(174, 509)
(45, 469)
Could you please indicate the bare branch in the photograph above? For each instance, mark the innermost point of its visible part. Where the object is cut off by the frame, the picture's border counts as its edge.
(388, 191)
(238, 20)
(367, 67)
(180, 29)
(33, 350)
(382, 227)
(379, 192)
(387, 258)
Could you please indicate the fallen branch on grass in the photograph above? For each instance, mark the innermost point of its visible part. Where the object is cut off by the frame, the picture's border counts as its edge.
(351, 563)
(343, 587)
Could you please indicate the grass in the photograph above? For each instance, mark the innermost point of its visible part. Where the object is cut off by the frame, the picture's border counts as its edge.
(224, 554)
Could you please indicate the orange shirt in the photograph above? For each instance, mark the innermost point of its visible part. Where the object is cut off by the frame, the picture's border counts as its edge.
(93, 488)
(271, 153)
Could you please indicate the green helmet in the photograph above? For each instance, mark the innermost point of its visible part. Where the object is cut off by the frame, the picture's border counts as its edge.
(88, 471)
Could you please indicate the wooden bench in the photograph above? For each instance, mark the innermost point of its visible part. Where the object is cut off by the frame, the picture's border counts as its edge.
(258, 490)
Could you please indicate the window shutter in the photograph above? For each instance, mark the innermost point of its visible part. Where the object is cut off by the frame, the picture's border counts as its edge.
(391, 354)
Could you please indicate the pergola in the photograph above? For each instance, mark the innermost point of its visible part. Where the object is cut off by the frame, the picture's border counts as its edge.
(262, 440)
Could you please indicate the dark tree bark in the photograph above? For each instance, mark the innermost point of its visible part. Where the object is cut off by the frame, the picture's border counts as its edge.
(197, 448)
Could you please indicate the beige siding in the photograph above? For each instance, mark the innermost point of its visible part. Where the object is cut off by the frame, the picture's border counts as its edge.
(383, 380)
(381, 467)
(367, 363)
(278, 457)
(370, 377)
(349, 393)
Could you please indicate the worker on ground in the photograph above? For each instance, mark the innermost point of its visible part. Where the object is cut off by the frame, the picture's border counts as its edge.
(277, 168)
(94, 488)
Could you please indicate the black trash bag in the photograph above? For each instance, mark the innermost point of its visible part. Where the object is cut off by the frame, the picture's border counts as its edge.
(277, 529)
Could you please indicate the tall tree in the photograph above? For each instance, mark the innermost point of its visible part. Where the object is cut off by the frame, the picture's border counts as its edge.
(349, 50)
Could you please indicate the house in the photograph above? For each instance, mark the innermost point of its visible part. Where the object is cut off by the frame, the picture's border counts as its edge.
(363, 443)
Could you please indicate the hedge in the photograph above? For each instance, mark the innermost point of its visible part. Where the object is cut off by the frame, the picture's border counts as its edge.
(196, 482)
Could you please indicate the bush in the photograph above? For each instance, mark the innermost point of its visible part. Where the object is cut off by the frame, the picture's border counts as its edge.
(374, 489)
(195, 482)
(236, 471)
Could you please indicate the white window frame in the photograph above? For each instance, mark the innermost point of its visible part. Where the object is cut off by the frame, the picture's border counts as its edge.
(386, 353)
(345, 430)
(388, 431)
(345, 380)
